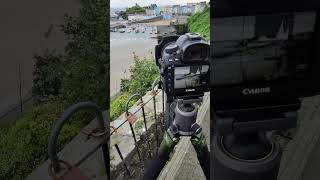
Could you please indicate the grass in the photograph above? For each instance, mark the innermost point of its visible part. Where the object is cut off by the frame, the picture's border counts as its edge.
(200, 23)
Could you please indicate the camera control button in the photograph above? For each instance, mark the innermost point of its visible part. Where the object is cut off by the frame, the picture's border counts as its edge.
(171, 48)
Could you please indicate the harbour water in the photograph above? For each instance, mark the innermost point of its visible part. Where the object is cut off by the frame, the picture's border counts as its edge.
(122, 47)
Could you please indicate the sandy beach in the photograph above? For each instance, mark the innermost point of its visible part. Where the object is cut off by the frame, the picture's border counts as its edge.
(122, 47)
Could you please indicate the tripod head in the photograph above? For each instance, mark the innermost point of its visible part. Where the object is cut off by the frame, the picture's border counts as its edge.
(185, 116)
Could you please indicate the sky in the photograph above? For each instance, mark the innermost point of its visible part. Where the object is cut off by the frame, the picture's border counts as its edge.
(129, 3)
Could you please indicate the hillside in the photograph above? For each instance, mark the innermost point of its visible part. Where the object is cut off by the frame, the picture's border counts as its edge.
(200, 23)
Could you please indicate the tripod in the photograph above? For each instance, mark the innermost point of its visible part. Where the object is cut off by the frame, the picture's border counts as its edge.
(184, 124)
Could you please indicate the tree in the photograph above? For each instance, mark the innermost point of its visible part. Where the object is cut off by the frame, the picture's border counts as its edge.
(135, 9)
(123, 14)
(84, 67)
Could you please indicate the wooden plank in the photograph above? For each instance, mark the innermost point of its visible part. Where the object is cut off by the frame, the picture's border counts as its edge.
(184, 163)
(299, 150)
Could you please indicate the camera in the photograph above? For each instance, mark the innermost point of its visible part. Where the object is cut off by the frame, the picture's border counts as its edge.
(264, 59)
(264, 56)
(184, 65)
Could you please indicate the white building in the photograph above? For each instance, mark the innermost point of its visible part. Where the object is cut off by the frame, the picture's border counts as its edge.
(168, 9)
(184, 10)
(136, 17)
(150, 12)
(176, 9)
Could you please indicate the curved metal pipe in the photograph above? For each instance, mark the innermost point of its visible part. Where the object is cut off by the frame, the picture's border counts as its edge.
(52, 151)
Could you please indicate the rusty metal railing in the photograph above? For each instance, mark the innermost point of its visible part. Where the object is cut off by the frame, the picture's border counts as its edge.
(131, 119)
(102, 134)
(101, 141)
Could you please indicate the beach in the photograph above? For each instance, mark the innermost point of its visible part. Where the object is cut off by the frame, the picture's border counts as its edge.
(122, 47)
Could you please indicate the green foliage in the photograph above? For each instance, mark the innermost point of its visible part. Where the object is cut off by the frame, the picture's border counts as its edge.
(118, 105)
(143, 73)
(200, 23)
(48, 74)
(138, 125)
(79, 74)
(181, 29)
(123, 14)
(132, 10)
(87, 61)
(24, 146)
(136, 9)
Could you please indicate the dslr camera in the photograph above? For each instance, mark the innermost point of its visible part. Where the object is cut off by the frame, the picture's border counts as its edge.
(184, 65)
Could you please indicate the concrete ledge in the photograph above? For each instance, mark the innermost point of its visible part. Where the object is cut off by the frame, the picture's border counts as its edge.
(73, 152)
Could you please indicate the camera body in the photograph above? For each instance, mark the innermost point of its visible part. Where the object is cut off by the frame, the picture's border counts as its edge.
(184, 65)
(264, 59)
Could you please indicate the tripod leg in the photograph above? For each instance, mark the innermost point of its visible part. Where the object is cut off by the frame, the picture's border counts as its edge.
(159, 161)
(199, 143)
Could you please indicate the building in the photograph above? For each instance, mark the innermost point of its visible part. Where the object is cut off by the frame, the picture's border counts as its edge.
(167, 9)
(167, 16)
(176, 10)
(184, 10)
(192, 4)
(136, 17)
(181, 20)
(153, 6)
(157, 11)
(192, 9)
(164, 30)
(201, 6)
(150, 12)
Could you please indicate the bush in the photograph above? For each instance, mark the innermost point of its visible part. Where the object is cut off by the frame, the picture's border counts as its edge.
(86, 54)
(81, 74)
(25, 145)
(143, 73)
(118, 105)
(47, 82)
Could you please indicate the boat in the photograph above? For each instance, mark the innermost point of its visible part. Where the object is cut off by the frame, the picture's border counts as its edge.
(137, 31)
(122, 31)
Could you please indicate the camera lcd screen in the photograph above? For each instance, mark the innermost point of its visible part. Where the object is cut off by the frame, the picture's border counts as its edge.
(190, 76)
(276, 47)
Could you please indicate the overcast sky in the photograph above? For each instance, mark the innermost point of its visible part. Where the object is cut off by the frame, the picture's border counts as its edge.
(129, 3)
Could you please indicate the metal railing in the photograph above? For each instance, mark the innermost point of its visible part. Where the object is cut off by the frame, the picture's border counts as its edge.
(101, 141)
(131, 119)
(102, 134)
